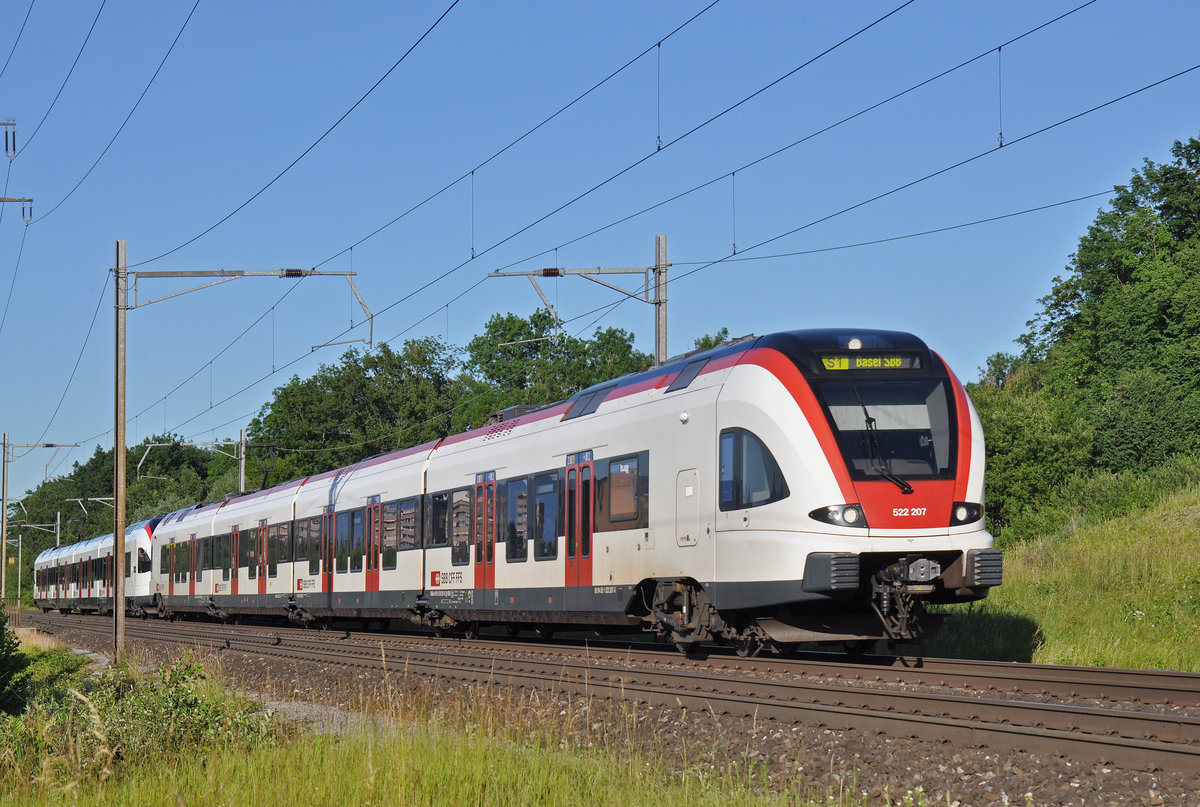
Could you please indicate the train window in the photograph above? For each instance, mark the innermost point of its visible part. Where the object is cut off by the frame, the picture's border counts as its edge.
(588, 403)
(248, 544)
(143, 560)
(389, 533)
(272, 552)
(128, 565)
(358, 538)
(749, 474)
(408, 525)
(460, 527)
(516, 526)
(341, 544)
(439, 510)
(201, 560)
(687, 375)
(623, 489)
(300, 540)
(285, 542)
(545, 512)
(222, 553)
(164, 566)
(313, 531)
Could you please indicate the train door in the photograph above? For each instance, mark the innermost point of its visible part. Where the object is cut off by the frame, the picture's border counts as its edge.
(235, 559)
(578, 527)
(327, 535)
(371, 561)
(485, 530)
(261, 542)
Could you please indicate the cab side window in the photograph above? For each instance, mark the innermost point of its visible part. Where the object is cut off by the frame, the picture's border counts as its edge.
(749, 475)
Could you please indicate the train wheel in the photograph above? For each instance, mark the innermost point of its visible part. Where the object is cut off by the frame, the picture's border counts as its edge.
(747, 646)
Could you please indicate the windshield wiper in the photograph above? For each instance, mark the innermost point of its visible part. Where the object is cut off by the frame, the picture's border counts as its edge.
(876, 456)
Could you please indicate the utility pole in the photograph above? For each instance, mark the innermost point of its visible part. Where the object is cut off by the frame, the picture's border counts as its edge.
(119, 448)
(4, 523)
(659, 300)
(119, 459)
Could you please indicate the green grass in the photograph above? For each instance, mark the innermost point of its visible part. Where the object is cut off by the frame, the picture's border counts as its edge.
(1123, 592)
(411, 765)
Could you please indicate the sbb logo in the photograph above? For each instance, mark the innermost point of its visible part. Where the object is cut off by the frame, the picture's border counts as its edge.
(435, 579)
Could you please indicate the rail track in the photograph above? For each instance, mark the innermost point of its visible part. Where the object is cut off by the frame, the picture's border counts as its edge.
(1084, 714)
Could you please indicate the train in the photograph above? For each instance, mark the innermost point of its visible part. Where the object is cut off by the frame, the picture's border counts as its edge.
(803, 486)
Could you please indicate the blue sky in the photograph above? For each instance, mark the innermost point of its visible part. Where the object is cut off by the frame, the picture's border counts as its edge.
(249, 87)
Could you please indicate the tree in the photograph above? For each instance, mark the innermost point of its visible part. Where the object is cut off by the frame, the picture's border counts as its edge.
(521, 361)
(710, 340)
(366, 405)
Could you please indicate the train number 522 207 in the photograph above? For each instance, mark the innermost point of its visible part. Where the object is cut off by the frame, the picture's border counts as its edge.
(908, 511)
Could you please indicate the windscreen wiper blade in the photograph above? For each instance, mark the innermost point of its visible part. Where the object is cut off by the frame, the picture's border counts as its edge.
(877, 462)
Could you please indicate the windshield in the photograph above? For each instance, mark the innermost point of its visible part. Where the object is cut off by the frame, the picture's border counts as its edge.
(891, 429)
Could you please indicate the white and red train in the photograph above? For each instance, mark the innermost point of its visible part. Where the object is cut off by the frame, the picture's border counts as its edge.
(804, 486)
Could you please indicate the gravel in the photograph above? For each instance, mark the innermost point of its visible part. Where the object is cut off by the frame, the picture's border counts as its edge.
(881, 768)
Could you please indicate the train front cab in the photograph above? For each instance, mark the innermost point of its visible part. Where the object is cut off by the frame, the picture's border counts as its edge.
(851, 471)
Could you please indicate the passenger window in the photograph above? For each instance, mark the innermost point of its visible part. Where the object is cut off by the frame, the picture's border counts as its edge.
(357, 540)
(516, 525)
(460, 527)
(408, 524)
(389, 533)
(622, 489)
(439, 512)
(546, 507)
(749, 475)
(342, 543)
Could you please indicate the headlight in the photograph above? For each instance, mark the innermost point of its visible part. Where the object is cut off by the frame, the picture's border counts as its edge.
(965, 513)
(841, 515)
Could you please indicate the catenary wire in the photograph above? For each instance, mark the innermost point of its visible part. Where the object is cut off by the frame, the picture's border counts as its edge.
(802, 140)
(304, 153)
(531, 131)
(18, 39)
(1008, 145)
(65, 80)
(13, 283)
(78, 359)
(127, 117)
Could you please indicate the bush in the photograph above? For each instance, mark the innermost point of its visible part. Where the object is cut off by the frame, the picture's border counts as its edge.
(89, 727)
(12, 662)
(1085, 499)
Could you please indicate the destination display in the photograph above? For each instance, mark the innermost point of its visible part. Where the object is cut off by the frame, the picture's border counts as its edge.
(868, 361)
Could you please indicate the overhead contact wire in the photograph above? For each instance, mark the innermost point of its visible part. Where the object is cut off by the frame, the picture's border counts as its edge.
(121, 128)
(65, 80)
(303, 154)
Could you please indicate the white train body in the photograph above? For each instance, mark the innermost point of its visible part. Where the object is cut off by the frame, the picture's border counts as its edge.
(801, 486)
(80, 577)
